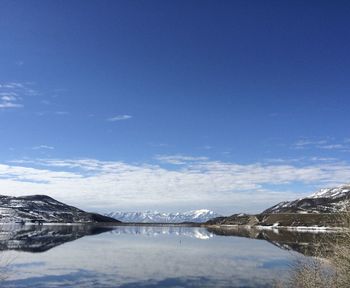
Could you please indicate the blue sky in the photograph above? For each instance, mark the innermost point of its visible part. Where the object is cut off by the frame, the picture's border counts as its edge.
(197, 95)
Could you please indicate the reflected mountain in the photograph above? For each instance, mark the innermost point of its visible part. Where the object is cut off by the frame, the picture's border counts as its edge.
(40, 238)
(154, 231)
(309, 243)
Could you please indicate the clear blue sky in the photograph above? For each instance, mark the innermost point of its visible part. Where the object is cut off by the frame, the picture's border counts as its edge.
(190, 89)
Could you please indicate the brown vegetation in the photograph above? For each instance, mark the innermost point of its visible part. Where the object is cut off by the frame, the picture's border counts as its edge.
(325, 270)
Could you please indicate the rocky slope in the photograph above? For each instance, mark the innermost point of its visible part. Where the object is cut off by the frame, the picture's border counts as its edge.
(196, 216)
(41, 208)
(235, 219)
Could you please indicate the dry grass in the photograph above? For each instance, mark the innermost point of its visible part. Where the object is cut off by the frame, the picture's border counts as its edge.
(314, 273)
(320, 272)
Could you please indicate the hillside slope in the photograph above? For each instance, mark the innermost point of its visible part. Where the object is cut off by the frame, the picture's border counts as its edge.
(329, 200)
(44, 209)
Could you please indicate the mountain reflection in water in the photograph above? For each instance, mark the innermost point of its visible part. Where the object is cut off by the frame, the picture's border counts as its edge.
(40, 238)
(147, 256)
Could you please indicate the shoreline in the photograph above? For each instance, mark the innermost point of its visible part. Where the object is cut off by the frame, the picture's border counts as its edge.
(324, 229)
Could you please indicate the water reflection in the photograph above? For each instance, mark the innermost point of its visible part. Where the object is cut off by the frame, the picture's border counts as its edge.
(39, 238)
(156, 231)
(309, 243)
(141, 256)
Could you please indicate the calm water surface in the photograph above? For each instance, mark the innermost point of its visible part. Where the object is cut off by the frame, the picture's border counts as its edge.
(137, 256)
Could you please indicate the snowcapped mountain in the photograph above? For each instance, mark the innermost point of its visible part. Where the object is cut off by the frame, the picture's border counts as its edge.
(197, 216)
(326, 200)
(332, 193)
(42, 208)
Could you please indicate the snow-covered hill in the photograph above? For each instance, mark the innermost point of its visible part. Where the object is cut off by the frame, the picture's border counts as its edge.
(197, 216)
(44, 209)
(332, 193)
(327, 200)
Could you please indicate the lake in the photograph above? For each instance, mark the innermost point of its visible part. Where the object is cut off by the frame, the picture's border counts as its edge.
(142, 256)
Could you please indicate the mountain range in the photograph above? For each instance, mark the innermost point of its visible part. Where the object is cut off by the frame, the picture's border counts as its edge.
(196, 216)
(318, 209)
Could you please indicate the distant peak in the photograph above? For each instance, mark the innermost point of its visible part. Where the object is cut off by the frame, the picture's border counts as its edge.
(201, 215)
(201, 211)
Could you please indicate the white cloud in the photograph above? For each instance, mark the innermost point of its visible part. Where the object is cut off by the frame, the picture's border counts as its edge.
(179, 159)
(109, 185)
(43, 147)
(45, 102)
(57, 113)
(9, 100)
(333, 146)
(8, 97)
(306, 143)
(206, 147)
(325, 144)
(11, 85)
(61, 113)
(11, 94)
(5, 105)
(119, 118)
